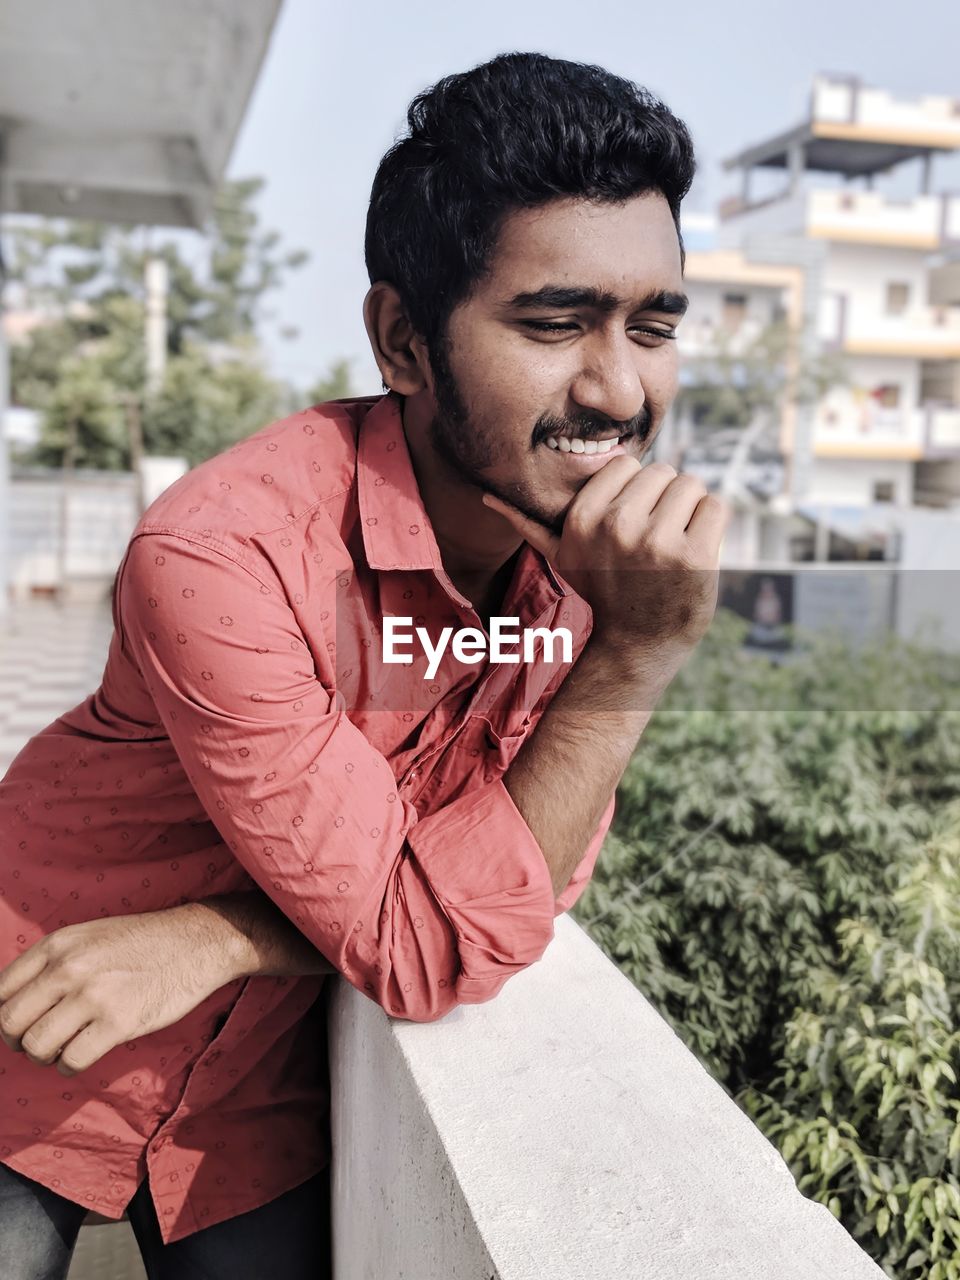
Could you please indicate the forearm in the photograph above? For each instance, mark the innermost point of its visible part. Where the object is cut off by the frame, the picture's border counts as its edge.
(564, 774)
(248, 936)
(560, 781)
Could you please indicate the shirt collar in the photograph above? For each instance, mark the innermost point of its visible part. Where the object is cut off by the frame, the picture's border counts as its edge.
(397, 533)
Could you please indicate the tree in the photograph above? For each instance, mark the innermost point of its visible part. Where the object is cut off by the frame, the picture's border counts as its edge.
(744, 386)
(782, 881)
(84, 362)
(336, 384)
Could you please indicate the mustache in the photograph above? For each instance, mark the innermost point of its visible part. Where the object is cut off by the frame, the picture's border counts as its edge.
(592, 428)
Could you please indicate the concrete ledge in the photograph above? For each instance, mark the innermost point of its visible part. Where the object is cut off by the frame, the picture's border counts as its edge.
(561, 1129)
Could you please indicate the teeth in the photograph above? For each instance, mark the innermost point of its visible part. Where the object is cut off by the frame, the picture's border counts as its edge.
(576, 445)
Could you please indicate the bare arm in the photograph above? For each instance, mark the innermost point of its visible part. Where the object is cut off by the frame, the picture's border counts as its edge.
(256, 939)
(566, 771)
(89, 987)
(641, 546)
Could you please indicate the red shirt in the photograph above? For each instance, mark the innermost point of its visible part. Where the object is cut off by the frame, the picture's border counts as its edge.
(247, 733)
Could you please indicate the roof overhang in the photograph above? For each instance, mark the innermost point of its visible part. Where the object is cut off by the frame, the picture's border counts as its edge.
(124, 110)
(827, 147)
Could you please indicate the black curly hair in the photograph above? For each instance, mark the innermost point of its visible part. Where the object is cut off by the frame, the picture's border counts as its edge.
(512, 133)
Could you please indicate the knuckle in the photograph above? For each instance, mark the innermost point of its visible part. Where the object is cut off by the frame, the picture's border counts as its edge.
(576, 523)
(693, 483)
(9, 1023)
(618, 524)
(658, 546)
(55, 945)
(72, 969)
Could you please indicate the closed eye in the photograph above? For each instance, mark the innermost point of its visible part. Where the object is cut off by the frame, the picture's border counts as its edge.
(544, 326)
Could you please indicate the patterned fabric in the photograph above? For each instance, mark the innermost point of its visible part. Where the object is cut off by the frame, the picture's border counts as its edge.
(247, 734)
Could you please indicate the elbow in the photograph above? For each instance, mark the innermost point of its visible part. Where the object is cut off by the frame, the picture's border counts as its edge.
(426, 998)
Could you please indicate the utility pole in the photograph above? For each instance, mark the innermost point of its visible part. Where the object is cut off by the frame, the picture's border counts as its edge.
(135, 441)
(5, 538)
(67, 468)
(156, 278)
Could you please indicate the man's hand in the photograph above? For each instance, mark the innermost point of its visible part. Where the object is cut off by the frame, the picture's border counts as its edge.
(641, 546)
(77, 994)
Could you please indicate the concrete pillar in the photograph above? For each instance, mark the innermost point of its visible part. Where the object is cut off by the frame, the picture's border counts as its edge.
(795, 161)
(926, 173)
(5, 496)
(155, 281)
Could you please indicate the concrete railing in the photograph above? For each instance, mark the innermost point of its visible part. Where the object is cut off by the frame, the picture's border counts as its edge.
(562, 1129)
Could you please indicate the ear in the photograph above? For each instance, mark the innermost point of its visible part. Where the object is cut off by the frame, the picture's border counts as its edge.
(400, 354)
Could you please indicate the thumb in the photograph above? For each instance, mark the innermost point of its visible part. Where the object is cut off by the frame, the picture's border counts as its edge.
(538, 535)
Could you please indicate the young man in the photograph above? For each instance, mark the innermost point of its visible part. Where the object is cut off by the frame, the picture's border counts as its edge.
(255, 797)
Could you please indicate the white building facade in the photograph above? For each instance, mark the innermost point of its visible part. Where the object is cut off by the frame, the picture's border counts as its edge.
(876, 283)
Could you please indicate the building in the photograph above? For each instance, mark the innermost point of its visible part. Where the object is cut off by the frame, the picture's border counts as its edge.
(871, 281)
(126, 111)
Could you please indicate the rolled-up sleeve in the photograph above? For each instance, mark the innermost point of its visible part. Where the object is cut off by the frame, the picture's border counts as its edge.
(418, 914)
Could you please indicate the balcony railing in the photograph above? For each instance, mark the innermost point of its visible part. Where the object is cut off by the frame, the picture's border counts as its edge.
(845, 101)
(941, 431)
(860, 217)
(926, 332)
(562, 1129)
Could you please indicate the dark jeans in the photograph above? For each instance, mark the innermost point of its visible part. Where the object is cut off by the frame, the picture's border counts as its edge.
(288, 1238)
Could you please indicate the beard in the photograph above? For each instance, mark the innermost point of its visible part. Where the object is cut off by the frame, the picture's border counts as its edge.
(470, 453)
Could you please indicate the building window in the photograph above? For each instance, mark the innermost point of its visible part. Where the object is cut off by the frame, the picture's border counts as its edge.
(887, 396)
(898, 298)
(884, 491)
(734, 310)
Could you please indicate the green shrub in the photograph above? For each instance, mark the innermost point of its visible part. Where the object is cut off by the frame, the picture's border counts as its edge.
(782, 881)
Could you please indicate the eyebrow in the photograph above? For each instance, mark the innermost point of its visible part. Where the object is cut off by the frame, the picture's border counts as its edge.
(560, 297)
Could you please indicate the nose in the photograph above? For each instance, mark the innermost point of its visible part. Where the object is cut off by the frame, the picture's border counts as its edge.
(609, 380)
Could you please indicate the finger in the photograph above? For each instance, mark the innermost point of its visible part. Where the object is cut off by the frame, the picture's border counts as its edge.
(677, 503)
(630, 500)
(48, 1036)
(710, 522)
(532, 531)
(631, 504)
(87, 1047)
(603, 488)
(24, 969)
(30, 1004)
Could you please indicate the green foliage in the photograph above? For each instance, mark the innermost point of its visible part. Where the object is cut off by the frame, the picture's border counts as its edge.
(84, 364)
(783, 882)
(736, 381)
(336, 384)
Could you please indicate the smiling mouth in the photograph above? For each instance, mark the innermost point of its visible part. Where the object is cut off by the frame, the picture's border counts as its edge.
(582, 445)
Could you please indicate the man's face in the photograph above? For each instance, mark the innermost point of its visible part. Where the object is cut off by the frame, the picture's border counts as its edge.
(503, 385)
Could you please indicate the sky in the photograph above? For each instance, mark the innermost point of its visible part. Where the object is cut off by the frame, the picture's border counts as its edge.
(335, 85)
